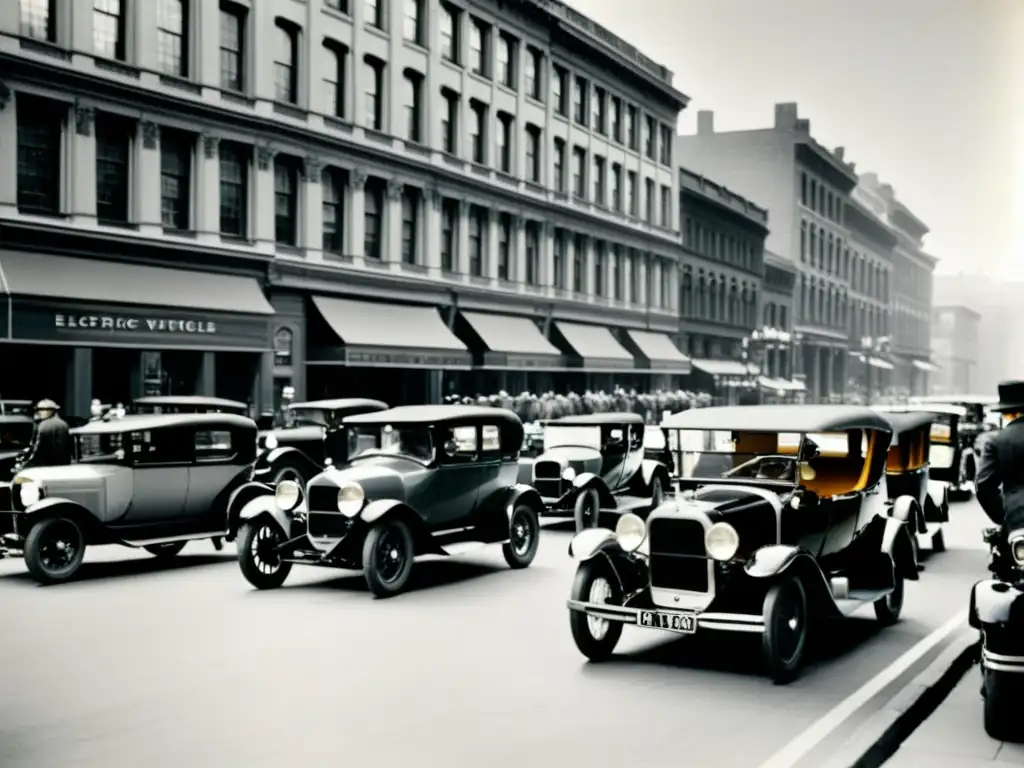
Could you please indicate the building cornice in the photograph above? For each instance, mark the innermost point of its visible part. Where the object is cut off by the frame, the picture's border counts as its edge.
(840, 173)
(722, 198)
(867, 223)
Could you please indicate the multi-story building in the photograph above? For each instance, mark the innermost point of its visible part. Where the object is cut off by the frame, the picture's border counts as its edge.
(722, 268)
(806, 188)
(912, 289)
(956, 340)
(342, 196)
(1000, 325)
(780, 278)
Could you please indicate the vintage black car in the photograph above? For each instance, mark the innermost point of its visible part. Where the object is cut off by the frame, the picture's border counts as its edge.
(153, 481)
(997, 610)
(312, 438)
(953, 454)
(16, 431)
(188, 404)
(779, 520)
(595, 465)
(431, 479)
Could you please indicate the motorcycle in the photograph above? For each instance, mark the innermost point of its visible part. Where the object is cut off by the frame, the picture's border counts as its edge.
(997, 610)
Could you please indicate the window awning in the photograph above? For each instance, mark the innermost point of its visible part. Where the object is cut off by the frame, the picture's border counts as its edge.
(658, 353)
(596, 348)
(379, 335)
(779, 385)
(877, 362)
(726, 367)
(513, 343)
(924, 365)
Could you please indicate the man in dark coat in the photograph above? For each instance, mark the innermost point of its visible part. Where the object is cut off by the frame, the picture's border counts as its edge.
(52, 444)
(1000, 478)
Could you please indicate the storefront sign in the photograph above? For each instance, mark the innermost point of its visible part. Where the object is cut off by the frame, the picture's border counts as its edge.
(510, 361)
(129, 323)
(391, 357)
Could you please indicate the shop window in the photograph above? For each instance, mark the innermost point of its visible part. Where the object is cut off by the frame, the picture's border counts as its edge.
(283, 343)
(213, 445)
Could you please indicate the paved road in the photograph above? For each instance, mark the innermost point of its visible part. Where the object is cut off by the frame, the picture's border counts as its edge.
(140, 664)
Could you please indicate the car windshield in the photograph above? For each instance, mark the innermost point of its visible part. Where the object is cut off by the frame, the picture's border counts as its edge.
(409, 442)
(104, 447)
(583, 436)
(16, 435)
(304, 417)
(941, 451)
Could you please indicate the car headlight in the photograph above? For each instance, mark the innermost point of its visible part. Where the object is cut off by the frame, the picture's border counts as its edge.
(1017, 550)
(721, 541)
(630, 532)
(569, 474)
(350, 499)
(31, 492)
(270, 443)
(287, 495)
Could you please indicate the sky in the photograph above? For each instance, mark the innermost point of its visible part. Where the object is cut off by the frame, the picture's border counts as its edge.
(929, 94)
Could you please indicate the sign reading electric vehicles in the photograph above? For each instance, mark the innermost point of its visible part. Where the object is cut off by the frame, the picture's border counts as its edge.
(132, 323)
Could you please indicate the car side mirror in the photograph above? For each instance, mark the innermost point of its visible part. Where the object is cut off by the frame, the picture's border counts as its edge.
(451, 448)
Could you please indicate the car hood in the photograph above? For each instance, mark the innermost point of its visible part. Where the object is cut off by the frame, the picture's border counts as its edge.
(381, 477)
(579, 458)
(754, 517)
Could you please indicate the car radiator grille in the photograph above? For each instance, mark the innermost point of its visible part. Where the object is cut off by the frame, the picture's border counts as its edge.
(323, 498)
(677, 556)
(327, 525)
(547, 470)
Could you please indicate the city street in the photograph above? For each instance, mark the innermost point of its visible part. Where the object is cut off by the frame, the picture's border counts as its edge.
(140, 663)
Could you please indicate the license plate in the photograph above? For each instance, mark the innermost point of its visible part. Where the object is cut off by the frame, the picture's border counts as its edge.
(675, 622)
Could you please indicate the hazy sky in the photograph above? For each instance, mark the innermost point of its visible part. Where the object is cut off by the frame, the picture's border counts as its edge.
(929, 94)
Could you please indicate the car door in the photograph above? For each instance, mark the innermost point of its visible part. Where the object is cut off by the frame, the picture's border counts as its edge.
(614, 449)
(213, 468)
(634, 453)
(447, 497)
(161, 458)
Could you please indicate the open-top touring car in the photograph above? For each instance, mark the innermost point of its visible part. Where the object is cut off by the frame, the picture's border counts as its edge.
(778, 519)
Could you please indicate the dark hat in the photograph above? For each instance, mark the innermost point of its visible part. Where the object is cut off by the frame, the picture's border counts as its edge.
(1011, 396)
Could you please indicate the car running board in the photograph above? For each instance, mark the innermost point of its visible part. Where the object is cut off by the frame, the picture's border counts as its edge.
(857, 598)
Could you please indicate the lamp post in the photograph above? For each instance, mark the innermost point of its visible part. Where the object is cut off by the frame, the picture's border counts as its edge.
(869, 347)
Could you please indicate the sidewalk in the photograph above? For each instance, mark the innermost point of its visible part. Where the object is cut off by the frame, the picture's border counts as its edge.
(954, 737)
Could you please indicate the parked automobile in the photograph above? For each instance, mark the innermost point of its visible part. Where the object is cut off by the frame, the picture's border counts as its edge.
(16, 432)
(778, 522)
(976, 419)
(595, 465)
(997, 610)
(427, 480)
(953, 453)
(188, 404)
(312, 437)
(154, 482)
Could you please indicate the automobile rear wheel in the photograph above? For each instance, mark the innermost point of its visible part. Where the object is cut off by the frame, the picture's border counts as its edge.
(288, 472)
(587, 510)
(258, 557)
(889, 608)
(784, 641)
(1001, 706)
(168, 550)
(387, 557)
(54, 550)
(595, 637)
(524, 536)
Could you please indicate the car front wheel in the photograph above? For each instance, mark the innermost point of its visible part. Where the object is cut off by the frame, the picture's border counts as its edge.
(784, 641)
(388, 557)
(524, 537)
(258, 557)
(54, 550)
(587, 510)
(595, 637)
(165, 551)
(889, 608)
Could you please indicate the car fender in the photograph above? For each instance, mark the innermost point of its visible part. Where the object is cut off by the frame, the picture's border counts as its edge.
(905, 509)
(54, 506)
(896, 542)
(494, 514)
(587, 544)
(771, 562)
(240, 499)
(287, 454)
(262, 506)
(938, 492)
(377, 510)
(589, 481)
(992, 602)
(650, 469)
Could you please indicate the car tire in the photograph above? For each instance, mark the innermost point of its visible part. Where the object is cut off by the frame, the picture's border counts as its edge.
(594, 637)
(784, 641)
(587, 510)
(288, 472)
(1001, 706)
(388, 557)
(262, 568)
(47, 546)
(165, 551)
(889, 608)
(524, 532)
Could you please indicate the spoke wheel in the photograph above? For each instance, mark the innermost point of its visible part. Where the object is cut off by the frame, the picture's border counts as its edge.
(889, 608)
(165, 551)
(54, 550)
(595, 637)
(388, 557)
(784, 641)
(524, 537)
(587, 510)
(258, 557)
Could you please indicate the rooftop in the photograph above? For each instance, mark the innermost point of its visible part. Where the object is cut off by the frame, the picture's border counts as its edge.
(721, 195)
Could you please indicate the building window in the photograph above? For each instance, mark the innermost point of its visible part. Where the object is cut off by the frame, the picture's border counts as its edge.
(176, 150)
(286, 61)
(373, 71)
(172, 37)
(335, 55)
(337, 5)
(559, 170)
(333, 184)
(649, 200)
(580, 92)
(803, 188)
(477, 230)
(373, 219)
(631, 201)
(650, 136)
(39, 20)
(412, 95)
(40, 128)
(532, 253)
(412, 23)
(506, 124)
(507, 61)
(504, 246)
(479, 34)
(450, 38)
(478, 133)
(617, 272)
(234, 189)
(559, 89)
(599, 179)
(410, 224)
(634, 279)
(599, 260)
(666, 206)
(667, 139)
(449, 233)
(631, 127)
(533, 134)
(616, 200)
(578, 253)
(373, 13)
(534, 63)
(283, 344)
(617, 119)
(450, 121)
(579, 172)
(600, 101)
(108, 29)
(113, 148)
(232, 47)
(558, 260)
(286, 200)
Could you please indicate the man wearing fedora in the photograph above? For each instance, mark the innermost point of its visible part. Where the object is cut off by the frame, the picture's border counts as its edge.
(52, 444)
(1000, 479)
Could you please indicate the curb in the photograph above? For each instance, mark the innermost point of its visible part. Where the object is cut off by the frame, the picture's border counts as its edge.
(879, 738)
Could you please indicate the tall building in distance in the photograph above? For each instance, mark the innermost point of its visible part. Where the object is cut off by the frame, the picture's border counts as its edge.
(955, 350)
(1000, 325)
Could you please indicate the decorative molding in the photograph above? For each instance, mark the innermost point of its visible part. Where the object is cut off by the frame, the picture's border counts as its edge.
(84, 117)
(150, 134)
(264, 156)
(358, 177)
(314, 167)
(395, 189)
(5, 95)
(210, 146)
(435, 198)
(520, 224)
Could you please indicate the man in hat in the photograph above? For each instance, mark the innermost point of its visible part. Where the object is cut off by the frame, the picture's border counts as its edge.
(1000, 479)
(52, 444)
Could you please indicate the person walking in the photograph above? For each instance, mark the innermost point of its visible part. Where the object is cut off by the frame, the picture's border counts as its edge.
(51, 446)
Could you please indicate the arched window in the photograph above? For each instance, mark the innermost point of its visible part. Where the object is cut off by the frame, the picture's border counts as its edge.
(283, 343)
(286, 61)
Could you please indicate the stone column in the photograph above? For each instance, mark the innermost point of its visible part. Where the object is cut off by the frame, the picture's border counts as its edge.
(627, 276)
(460, 264)
(392, 250)
(78, 386)
(432, 201)
(570, 260)
(207, 210)
(148, 201)
(490, 241)
(83, 168)
(830, 378)
(8, 149)
(313, 210)
(356, 230)
(261, 228)
(206, 376)
(431, 97)
(609, 272)
(311, 93)
(263, 384)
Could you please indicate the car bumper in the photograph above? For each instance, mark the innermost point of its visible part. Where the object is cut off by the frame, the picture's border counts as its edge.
(647, 618)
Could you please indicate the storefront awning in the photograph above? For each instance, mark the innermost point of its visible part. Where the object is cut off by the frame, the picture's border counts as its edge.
(726, 367)
(596, 348)
(382, 335)
(514, 343)
(778, 385)
(658, 353)
(877, 362)
(924, 365)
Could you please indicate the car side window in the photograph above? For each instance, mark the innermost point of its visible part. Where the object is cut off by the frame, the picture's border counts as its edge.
(636, 437)
(161, 446)
(466, 444)
(213, 445)
(490, 441)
